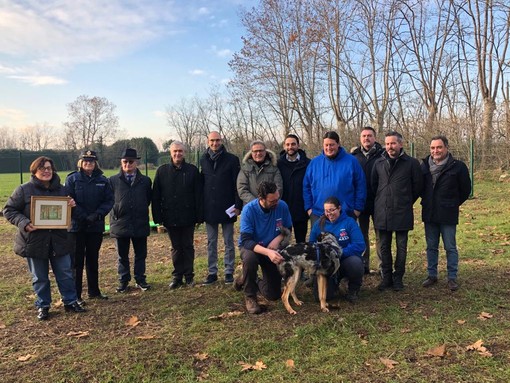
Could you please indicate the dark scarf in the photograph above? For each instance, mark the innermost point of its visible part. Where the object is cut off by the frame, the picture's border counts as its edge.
(436, 169)
(214, 156)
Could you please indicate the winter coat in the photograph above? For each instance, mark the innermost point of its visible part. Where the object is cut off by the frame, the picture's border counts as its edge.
(40, 243)
(177, 196)
(440, 204)
(367, 164)
(129, 217)
(341, 177)
(396, 189)
(219, 187)
(251, 175)
(293, 174)
(93, 196)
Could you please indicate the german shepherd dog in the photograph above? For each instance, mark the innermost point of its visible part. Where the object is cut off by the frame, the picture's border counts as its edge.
(321, 259)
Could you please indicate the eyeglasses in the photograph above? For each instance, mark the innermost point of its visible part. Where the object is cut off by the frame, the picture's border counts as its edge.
(330, 211)
(88, 160)
(258, 151)
(45, 168)
(128, 161)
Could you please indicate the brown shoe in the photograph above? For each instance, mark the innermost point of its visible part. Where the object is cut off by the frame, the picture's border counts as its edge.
(429, 281)
(453, 285)
(252, 306)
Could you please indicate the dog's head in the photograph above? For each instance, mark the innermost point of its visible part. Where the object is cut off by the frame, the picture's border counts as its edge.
(286, 237)
(329, 240)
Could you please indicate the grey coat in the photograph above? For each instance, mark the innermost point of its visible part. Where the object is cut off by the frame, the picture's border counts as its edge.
(251, 175)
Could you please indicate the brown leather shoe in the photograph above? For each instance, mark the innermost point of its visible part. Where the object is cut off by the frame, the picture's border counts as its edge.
(453, 285)
(429, 281)
(252, 305)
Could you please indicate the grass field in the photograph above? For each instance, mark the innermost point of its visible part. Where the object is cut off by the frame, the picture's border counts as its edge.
(417, 335)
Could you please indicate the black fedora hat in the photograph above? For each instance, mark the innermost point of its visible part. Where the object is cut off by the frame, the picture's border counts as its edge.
(129, 153)
(89, 155)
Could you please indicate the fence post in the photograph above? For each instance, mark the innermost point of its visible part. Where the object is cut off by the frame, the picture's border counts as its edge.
(472, 165)
(20, 168)
(412, 149)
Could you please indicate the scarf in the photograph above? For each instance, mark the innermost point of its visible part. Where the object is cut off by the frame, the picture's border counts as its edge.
(214, 156)
(436, 169)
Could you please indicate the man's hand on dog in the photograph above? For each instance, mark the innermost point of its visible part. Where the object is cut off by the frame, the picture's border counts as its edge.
(274, 256)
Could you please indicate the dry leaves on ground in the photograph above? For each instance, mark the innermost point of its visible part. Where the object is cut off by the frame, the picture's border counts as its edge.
(439, 351)
(390, 364)
(477, 346)
(78, 334)
(289, 363)
(484, 316)
(201, 356)
(26, 357)
(226, 315)
(133, 321)
(259, 365)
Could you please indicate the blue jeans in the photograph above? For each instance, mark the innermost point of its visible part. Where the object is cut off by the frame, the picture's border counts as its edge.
(63, 272)
(212, 247)
(140, 250)
(448, 233)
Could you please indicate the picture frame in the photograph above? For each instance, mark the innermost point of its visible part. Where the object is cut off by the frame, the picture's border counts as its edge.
(50, 212)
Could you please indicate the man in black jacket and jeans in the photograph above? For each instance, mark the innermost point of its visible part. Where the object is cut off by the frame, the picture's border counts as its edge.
(219, 170)
(446, 186)
(129, 218)
(292, 164)
(366, 154)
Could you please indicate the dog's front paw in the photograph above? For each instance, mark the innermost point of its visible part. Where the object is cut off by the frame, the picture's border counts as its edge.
(324, 309)
(298, 302)
(292, 312)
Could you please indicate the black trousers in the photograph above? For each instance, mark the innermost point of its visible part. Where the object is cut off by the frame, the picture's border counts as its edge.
(140, 250)
(300, 230)
(384, 239)
(182, 252)
(271, 283)
(87, 256)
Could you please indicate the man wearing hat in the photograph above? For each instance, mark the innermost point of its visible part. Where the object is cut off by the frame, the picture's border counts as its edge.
(129, 218)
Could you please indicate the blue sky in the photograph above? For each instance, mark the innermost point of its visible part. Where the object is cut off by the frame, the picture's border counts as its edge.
(142, 55)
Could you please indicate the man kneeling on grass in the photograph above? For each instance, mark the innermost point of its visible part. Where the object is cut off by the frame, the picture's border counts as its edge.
(260, 237)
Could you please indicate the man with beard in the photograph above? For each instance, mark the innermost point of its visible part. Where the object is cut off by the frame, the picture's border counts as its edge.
(292, 164)
(366, 154)
(259, 240)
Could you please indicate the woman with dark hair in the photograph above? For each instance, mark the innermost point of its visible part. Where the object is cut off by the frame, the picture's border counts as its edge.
(94, 200)
(42, 247)
(350, 238)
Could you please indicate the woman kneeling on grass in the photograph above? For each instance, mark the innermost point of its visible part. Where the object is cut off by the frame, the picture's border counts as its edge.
(350, 238)
(42, 247)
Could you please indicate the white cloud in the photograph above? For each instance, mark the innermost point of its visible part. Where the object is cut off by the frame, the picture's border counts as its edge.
(197, 72)
(40, 80)
(9, 116)
(220, 52)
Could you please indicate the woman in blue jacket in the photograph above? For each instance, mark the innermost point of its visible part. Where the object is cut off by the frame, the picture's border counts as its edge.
(351, 240)
(94, 200)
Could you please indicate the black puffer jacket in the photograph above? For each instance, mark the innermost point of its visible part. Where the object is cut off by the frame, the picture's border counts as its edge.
(396, 189)
(440, 204)
(177, 196)
(292, 175)
(41, 243)
(368, 164)
(129, 217)
(219, 185)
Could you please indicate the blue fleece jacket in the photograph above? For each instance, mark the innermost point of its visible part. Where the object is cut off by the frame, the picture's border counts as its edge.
(342, 177)
(347, 232)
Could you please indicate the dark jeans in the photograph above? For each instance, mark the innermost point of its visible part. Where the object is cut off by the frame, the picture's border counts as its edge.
(364, 225)
(183, 251)
(271, 283)
(87, 255)
(384, 239)
(140, 250)
(300, 230)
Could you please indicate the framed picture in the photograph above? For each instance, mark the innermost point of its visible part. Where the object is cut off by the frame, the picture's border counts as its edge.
(50, 212)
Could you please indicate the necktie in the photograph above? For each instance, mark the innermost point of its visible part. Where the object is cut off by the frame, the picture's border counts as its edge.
(129, 178)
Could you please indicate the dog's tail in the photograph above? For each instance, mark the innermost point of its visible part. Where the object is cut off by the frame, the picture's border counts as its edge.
(286, 237)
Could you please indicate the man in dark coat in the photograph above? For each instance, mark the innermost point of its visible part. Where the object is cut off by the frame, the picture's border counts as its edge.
(129, 218)
(177, 205)
(222, 205)
(397, 183)
(292, 164)
(367, 153)
(446, 186)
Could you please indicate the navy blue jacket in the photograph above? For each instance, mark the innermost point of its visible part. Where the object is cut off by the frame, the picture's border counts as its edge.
(129, 217)
(440, 204)
(92, 195)
(292, 175)
(177, 196)
(219, 186)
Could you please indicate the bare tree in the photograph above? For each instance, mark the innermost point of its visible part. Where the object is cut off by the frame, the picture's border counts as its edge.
(7, 138)
(37, 137)
(184, 119)
(91, 120)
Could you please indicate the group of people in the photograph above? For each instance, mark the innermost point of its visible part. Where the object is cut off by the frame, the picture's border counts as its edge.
(333, 191)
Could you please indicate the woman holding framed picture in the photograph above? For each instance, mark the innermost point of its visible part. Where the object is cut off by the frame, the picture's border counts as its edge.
(41, 246)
